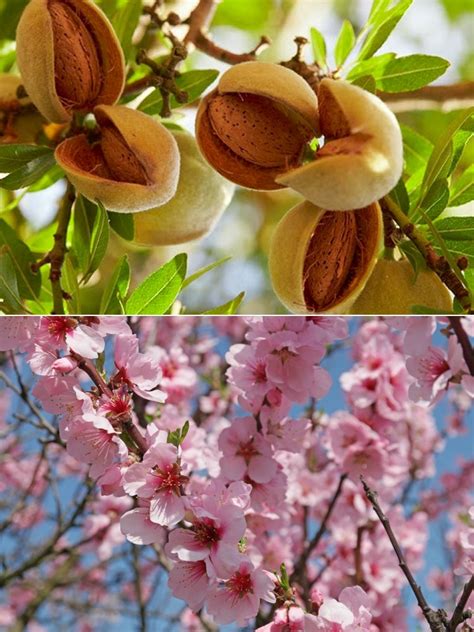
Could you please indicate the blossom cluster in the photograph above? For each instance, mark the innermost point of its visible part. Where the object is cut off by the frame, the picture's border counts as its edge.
(228, 483)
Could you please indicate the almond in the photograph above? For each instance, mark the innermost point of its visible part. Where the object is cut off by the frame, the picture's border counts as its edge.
(330, 257)
(69, 57)
(320, 260)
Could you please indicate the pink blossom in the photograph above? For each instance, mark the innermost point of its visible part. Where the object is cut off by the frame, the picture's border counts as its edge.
(190, 581)
(139, 529)
(141, 371)
(159, 478)
(246, 452)
(434, 369)
(238, 597)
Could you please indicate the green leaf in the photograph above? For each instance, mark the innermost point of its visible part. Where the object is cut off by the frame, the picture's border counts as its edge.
(377, 38)
(205, 270)
(28, 174)
(319, 46)
(50, 177)
(462, 191)
(378, 7)
(405, 74)
(71, 285)
(367, 67)
(230, 307)
(158, 292)
(125, 22)
(193, 82)
(116, 289)
(14, 156)
(29, 283)
(460, 140)
(10, 300)
(345, 43)
(413, 255)
(400, 195)
(417, 150)
(436, 200)
(443, 150)
(123, 224)
(367, 82)
(383, 23)
(456, 228)
(91, 235)
(7, 54)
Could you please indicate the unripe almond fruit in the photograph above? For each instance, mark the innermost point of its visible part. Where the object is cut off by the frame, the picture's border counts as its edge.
(320, 260)
(69, 57)
(132, 166)
(257, 123)
(18, 124)
(201, 198)
(394, 288)
(362, 157)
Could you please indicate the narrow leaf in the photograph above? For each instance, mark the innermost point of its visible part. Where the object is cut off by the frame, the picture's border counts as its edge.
(29, 283)
(10, 300)
(203, 271)
(319, 46)
(117, 288)
(400, 195)
(417, 150)
(123, 224)
(230, 307)
(158, 292)
(99, 242)
(405, 74)
(14, 156)
(456, 228)
(345, 43)
(125, 22)
(462, 191)
(29, 173)
(436, 200)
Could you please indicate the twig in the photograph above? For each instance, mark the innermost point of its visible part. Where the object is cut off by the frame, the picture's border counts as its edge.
(463, 339)
(55, 257)
(206, 45)
(437, 263)
(459, 615)
(300, 566)
(138, 588)
(446, 97)
(436, 619)
(200, 19)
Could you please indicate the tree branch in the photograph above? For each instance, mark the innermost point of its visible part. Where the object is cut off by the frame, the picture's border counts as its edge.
(463, 339)
(300, 567)
(435, 262)
(436, 619)
(459, 615)
(447, 97)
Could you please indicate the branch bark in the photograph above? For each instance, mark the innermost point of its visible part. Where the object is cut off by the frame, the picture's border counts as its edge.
(463, 339)
(436, 618)
(459, 615)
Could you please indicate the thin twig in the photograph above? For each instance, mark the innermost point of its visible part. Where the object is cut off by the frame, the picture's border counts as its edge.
(300, 566)
(459, 615)
(463, 339)
(439, 264)
(436, 618)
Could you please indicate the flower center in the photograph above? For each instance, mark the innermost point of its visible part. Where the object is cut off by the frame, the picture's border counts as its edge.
(240, 584)
(170, 478)
(247, 450)
(205, 531)
(59, 327)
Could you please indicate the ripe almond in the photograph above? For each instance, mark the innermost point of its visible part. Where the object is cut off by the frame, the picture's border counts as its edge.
(330, 257)
(69, 57)
(131, 164)
(256, 124)
(320, 260)
(256, 130)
